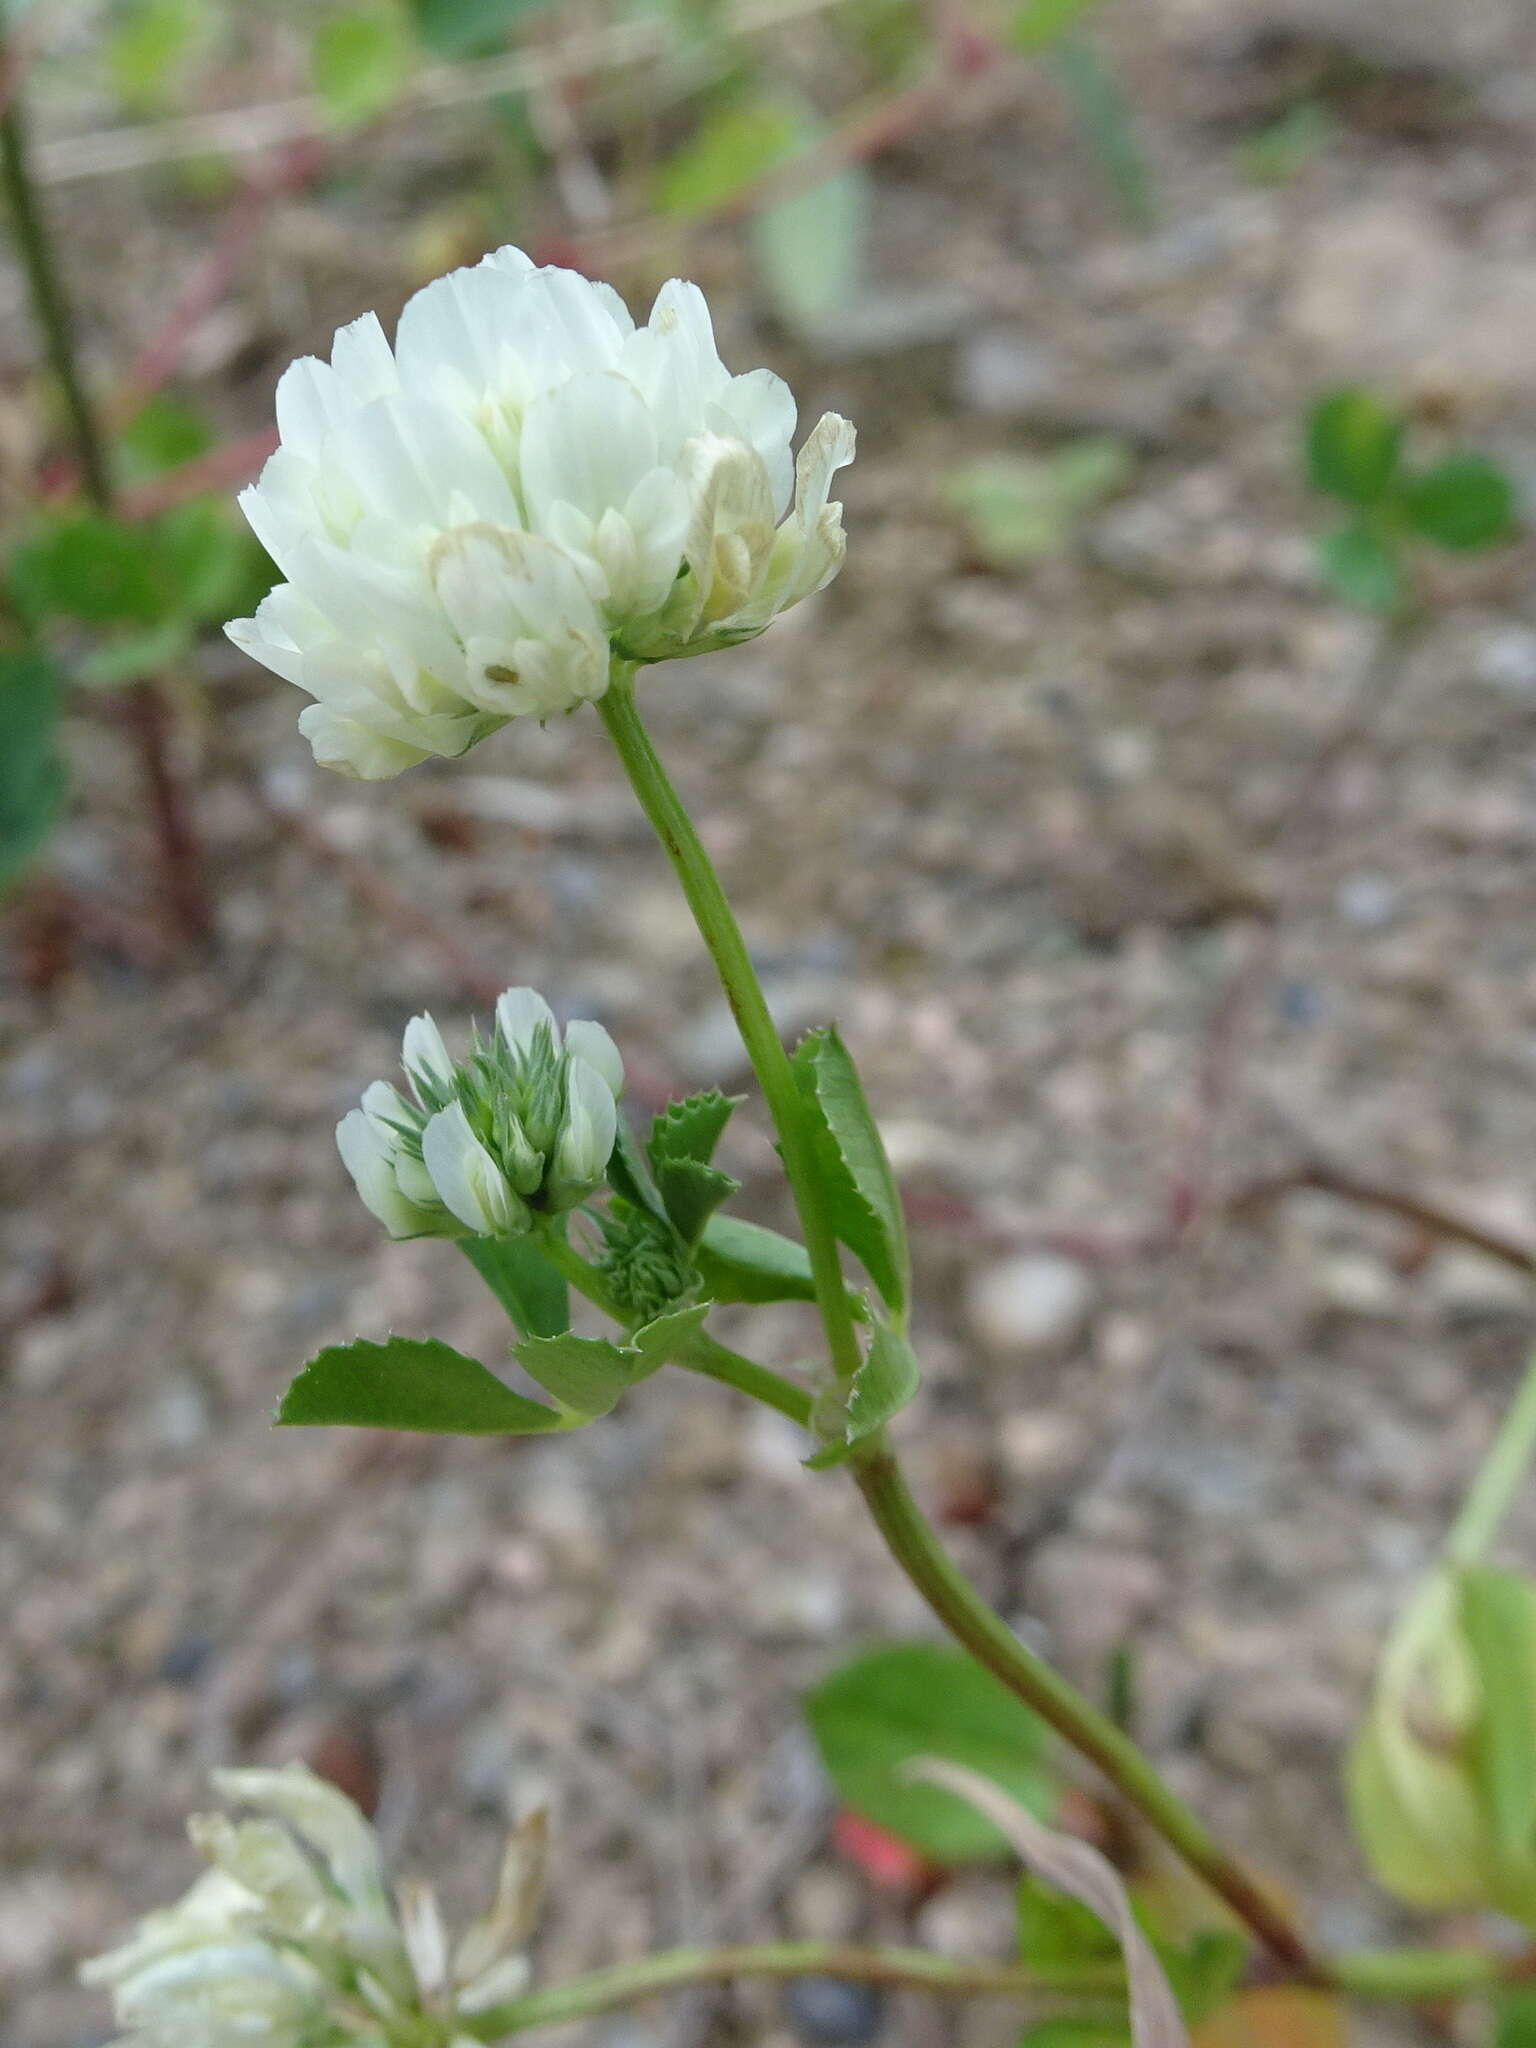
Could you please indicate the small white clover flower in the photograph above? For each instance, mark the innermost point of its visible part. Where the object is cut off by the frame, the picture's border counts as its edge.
(521, 1128)
(293, 1939)
(474, 523)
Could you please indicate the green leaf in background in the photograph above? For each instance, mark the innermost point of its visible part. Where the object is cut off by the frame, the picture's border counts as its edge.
(162, 435)
(1280, 152)
(1107, 121)
(528, 1287)
(31, 770)
(1055, 1930)
(1204, 1971)
(412, 1383)
(1020, 510)
(359, 62)
(809, 250)
(1076, 2030)
(1360, 567)
(87, 566)
(1037, 24)
(731, 148)
(742, 1261)
(1353, 445)
(879, 1390)
(587, 1375)
(1515, 2023)
(1497, 1610)
(205, 562)
(1464, 502)
(861, 1189)
(130, 657)
(876, 1714)
(148, 46)
(468, 28)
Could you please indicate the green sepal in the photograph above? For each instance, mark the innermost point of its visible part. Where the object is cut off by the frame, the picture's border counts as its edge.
(587, 1375)
(528, 1287)
(864, 1205)
(879, 1390)
(629, 1174)
(412, 1383)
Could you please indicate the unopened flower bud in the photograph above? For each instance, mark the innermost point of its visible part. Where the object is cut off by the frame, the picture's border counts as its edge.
(522, 1127)
(1456, 1690)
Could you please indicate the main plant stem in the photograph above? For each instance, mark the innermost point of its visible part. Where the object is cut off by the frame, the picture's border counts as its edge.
(180, 854)
(743, 991)
(909, 1537)
(913, 1543)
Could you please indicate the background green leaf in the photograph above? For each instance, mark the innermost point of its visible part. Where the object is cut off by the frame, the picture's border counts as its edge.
(468, 28)
(1037, 24)
(1353, 444)
(876, 1714)
(31, 769)
(732, 147)
(809, 249)
(413, 1383)
(359, 62)
(1464, 502)
(1361, 568)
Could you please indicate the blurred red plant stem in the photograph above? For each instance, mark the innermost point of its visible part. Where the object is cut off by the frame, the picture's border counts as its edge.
(918, 1550)
(222, 468)
(1190, 1191)
(180, 855)
(1131, 1245)
(210, 278)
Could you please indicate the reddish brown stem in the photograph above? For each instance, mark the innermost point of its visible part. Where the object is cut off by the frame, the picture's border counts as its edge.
(178, 847)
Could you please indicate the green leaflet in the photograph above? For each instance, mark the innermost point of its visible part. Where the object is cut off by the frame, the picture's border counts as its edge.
(413, 1383)
(533, 1294)
(880, 1389)
(855, 1173)
(587, 1375)
(743, 1261)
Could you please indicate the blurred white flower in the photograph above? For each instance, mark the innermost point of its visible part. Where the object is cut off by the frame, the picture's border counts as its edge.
(293, 1939)
(472, 524)
(524, 1126)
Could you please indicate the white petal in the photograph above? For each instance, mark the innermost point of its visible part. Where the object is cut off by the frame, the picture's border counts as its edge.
(588, 442)
(467, 1178)
(760, 408)
(591, 1125)
(410, 458)
(590, 1042)
(519, 1013)
(424, 1055)
(368, 1157)
(318, 1812)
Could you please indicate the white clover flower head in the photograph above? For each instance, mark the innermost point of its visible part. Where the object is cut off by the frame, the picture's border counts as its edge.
(474, 524)
(292, 1937)
(521, 1128)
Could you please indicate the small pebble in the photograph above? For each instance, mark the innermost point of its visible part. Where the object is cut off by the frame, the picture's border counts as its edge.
(826, 2010)
(1036, 1303)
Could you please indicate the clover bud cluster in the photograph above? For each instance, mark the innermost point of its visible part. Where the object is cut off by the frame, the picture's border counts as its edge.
(293, 1938)
(484, 1146)
(1456, 1687)
(475, 522)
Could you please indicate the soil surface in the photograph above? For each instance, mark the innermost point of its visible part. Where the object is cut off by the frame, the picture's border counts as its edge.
(1018, 832)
